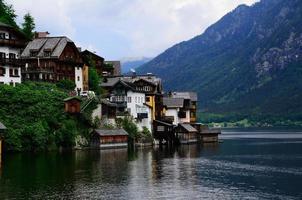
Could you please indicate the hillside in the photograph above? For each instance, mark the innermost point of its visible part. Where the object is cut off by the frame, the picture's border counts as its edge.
(249, 62)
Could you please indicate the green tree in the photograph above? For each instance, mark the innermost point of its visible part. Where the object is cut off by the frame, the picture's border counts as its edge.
(66, 84)
(28, 26)
(7, 14)
(94, 78)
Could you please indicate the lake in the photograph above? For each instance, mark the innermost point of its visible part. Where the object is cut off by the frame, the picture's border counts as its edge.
(248, 164)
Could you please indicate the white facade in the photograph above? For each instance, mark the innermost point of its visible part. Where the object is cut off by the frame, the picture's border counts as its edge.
(136, 105)
(173, 112)
(9, 73)
(79, 79)
(187, 119)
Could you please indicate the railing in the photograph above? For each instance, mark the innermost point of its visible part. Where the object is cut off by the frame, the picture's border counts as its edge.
(11, 61)
(36, 70)
(12, 42)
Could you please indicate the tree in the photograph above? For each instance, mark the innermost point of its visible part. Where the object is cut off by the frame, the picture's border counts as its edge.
(66, 84)
(28, 26)
(93, 77)
(7, 14)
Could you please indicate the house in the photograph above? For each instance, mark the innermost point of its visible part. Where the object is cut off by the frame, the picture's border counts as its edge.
(173, 110)
(73, 105)
(52, 59)
(129, 101)
(109, 138)
(12, 42)
(2, 130)
(186, 133)
(190, 104)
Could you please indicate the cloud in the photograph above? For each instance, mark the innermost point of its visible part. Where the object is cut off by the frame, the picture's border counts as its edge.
(126, 28)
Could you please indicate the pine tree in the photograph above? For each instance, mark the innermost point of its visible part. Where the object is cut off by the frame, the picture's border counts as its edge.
(28, 26)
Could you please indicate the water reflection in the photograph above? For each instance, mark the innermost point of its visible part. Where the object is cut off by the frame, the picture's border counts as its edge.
(230, 170)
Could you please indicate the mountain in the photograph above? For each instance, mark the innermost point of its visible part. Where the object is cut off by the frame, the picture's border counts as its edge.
(133, 63)
(249, 62)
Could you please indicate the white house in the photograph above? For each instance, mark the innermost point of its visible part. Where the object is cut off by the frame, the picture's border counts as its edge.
(139, 110)
(11, 43)
(174, 110)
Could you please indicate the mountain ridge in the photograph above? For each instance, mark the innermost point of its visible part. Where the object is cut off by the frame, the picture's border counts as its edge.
(244, 54)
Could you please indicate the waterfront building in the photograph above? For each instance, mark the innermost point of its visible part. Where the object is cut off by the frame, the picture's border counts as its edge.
(109, 138)
(173, 110)
(129, 101)
(52, 59)
(12, 42)
(190, 105)
(186, 133)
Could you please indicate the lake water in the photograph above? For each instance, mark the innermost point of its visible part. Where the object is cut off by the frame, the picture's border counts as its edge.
(246, 165)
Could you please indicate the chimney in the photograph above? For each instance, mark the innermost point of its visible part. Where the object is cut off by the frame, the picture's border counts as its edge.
(41, 34)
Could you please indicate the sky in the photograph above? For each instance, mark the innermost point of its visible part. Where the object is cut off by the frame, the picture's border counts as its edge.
(119, 29)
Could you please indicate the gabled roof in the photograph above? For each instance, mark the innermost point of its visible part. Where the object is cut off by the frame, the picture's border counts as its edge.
(188, 128)
(72, 98)
(55, 45)
(110, 132)
(2, 127)
(87, 53)
(173, 102)
(186, 95)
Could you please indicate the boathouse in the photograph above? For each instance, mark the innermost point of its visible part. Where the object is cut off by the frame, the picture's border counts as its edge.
(109, 138)
(73, 105)
(186, 133)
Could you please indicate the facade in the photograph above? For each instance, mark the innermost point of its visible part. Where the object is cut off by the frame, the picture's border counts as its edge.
(97, 60)
(12, 42)
(109, 138)
(135, 96)
(72, 105)
(85, 77)
(190, 104)
(52, 59)
(173, 110)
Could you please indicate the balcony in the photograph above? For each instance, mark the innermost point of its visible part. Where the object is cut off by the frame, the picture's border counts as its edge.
(36, 71)
(11, 61)
(11, 42)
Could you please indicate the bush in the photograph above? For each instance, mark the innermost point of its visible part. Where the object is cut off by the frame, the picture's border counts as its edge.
(66, 84)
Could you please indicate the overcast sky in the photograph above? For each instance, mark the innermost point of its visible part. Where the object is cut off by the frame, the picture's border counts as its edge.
(117, 29)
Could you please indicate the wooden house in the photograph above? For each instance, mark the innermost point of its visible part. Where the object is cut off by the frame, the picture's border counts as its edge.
(73, 105)
(186, 133)
(109, 138)
(52, 59)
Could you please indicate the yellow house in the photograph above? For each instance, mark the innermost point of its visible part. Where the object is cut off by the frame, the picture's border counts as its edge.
(85, 77)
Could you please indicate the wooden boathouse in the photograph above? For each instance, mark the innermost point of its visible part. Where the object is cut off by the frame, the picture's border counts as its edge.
(109, 138)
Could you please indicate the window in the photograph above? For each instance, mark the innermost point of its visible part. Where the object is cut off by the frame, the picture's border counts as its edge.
(135, 99)
(16, 72)
(78, 78)
(147, 99)
(2, 35)
(129, 99)
(47, 54)
(2, 71)
(12, 56)
(11, 72)
(2, 55)
(33, 54)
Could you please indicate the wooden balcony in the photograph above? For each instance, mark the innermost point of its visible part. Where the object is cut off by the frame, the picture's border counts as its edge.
(11, 61)
(11, 42)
